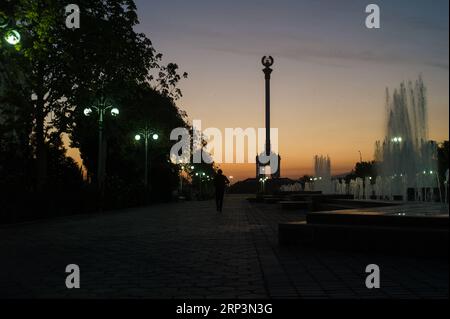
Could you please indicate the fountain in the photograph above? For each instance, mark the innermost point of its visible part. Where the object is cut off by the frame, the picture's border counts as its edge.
(408, 160)
(322, 174)
(296, 187)
(406, 170)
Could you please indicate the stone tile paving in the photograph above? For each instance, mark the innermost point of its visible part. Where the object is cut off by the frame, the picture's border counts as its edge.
(187, 250)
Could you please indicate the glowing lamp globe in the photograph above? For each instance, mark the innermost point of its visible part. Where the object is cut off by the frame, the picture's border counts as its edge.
(12, 37)
(87, 111)
(115, 111)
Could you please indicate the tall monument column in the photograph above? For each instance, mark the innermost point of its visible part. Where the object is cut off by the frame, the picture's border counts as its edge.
(267, 62)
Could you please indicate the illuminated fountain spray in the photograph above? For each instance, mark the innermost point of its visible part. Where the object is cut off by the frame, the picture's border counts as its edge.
(322, 174)
(408, 160)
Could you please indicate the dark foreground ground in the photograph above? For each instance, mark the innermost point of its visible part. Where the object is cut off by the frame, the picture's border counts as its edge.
(187, 250)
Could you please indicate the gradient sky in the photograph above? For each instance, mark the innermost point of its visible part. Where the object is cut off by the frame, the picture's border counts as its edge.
(330, 71)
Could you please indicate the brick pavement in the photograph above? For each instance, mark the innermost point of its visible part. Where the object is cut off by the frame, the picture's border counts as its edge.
(187, 250)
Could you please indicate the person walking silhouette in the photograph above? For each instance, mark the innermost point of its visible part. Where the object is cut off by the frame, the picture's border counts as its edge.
(220, 181)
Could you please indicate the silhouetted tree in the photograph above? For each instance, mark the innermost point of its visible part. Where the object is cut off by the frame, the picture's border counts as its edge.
(443, 161)
(66, 69)
(54, 73)
(365, 169)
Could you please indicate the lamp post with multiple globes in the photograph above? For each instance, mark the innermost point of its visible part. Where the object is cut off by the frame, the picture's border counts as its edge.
(146, 134)
(101, 108)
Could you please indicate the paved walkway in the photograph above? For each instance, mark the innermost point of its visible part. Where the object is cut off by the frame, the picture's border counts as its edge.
(187, 250)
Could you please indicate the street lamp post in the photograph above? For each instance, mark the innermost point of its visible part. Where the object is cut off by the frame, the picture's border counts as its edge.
(146, 133)
(262, 181)
(101, 109)
(206, 188)
(200, 174)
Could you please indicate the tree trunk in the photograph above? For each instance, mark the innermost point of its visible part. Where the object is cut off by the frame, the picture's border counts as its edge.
(41, 152)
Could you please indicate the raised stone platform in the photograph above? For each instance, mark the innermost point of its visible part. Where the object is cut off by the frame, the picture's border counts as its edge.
(317, 198)
(415, 229)
(304, 205)
(378, 218)
(273, 200)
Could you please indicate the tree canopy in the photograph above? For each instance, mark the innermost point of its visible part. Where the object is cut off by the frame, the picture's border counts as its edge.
(55, 72)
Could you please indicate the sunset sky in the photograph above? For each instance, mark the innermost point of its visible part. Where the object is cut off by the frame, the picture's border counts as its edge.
(330, 71)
